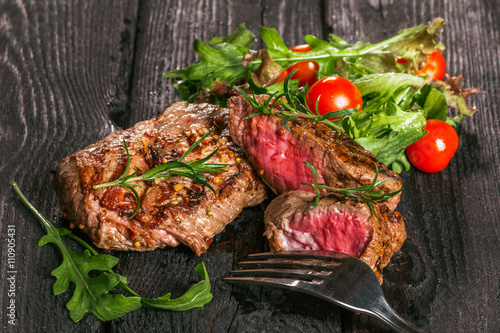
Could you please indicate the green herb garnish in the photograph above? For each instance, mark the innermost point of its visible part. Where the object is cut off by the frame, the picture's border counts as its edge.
(189, 169)
(369, 193)
(292, 106)
(396, 102)
(92, 294)
(224, 59)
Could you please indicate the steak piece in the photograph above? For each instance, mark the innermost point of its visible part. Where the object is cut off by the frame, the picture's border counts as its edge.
(172, 210)
(278, 154)
(346, 226)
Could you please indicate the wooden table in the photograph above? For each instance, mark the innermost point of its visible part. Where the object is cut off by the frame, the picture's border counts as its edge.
(71, 72)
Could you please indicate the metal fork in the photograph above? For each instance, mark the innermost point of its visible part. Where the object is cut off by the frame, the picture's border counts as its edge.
(336, 277)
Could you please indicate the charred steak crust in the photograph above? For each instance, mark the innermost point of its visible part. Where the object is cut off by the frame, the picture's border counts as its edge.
(278, 153)
(291, 225)
(173, 210)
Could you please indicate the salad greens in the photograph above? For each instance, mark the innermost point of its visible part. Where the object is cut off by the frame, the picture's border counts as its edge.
(396, 102)
(93, 293)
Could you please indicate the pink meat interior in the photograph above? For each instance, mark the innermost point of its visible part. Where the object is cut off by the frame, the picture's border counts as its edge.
(276, 152)
(332, 230)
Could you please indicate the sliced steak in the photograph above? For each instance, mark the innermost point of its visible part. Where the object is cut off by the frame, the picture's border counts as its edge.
(346, 226)
(172, 210)
(278, 154)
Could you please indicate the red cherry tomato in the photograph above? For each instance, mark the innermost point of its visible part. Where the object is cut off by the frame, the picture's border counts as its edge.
(306, 69)
(434, 151)
(334, 93)
(435, 66)
(301, 48)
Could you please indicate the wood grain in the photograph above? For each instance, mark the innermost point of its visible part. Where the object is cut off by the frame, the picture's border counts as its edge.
(73, 72)
(61, 64)
(446, 213)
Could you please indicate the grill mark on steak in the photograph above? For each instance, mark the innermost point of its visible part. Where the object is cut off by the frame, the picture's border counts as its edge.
(335, 224)
(166, 217)
(279, 153)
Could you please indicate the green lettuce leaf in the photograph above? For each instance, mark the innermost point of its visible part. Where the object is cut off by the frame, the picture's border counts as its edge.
(413, 45)
(377, 89)
(337, 56)
(455, 95)
(388, 132)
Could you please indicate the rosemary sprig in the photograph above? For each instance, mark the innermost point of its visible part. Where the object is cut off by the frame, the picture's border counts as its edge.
(190, 169)
(369, 193)
(293, 107)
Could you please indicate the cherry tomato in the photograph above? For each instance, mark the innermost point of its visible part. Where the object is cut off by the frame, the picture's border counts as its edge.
(306, 69)
(301, 48)
(434, 151)
(334, 93)
(435, 66)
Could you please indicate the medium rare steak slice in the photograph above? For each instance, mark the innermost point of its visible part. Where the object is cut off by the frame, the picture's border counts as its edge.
(346, 226)
(278, 154)
(172, 210)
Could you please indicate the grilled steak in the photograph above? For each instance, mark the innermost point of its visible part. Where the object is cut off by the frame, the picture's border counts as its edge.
(172, 210)
(278, 154)
(346, 226)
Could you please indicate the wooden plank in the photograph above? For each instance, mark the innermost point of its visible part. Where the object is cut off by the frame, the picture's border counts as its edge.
(74, 72)
(64, 69)
(294, 19)
(444, 275)
(268, 309)
(166, 32)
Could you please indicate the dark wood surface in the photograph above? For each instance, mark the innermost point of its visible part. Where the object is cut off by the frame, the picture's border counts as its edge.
(72, 72)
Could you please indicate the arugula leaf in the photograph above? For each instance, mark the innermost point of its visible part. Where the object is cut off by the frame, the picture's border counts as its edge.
(322, 52)
(92, 294)
(197, 296)
(241, 36)
(223, 63)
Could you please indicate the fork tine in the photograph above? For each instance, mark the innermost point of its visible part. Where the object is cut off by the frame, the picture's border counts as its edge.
(335, 257)
(292, 284)
(309, 264)
(341, 279)
(283, 273)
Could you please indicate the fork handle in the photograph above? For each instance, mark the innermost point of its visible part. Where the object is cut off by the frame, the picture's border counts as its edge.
(383, 310)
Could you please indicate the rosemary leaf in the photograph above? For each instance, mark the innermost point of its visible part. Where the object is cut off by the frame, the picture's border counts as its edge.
(339, 113)
(194, 145)
(294, 106)
(191, 169)
(369, 193)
